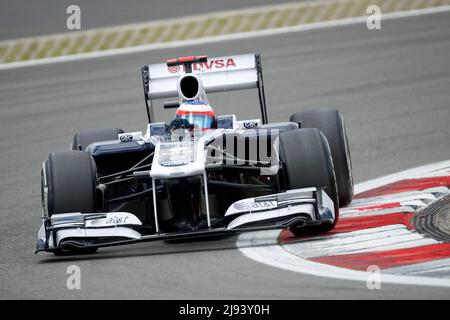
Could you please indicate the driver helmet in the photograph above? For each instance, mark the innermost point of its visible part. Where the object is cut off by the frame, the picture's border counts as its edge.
(198, 114)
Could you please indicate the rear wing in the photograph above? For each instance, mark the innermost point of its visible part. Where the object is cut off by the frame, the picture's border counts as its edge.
(219, 74)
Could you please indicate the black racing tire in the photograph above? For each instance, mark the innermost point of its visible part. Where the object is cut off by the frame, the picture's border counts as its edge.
(83, 139)
(331, 123)
(307, 163)
(68, 182)
(70, 178)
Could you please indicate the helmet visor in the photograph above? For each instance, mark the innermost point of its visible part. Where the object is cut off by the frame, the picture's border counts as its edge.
(199, 120)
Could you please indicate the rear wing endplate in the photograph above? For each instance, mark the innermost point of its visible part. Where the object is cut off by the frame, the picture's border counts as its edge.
(219, 74)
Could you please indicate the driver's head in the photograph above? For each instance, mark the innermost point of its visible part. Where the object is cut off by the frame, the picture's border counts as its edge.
(198, 114)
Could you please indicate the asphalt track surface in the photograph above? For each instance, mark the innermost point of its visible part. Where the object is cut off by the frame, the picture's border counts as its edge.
(24, 18)
(391, 85)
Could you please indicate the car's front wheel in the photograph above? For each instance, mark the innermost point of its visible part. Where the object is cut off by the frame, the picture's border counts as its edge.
(307, 162)
(68, 182)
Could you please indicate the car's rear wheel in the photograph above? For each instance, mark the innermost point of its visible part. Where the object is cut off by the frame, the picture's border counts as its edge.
(83, 139)
(68, 181)
(307, 163)
(331, 123)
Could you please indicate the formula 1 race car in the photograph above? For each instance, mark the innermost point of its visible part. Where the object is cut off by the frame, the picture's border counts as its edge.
(199, 174)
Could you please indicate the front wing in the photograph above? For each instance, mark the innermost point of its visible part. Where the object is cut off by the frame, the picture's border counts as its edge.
(297, 207)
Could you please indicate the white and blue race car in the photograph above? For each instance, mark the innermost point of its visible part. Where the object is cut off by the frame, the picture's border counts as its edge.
(199, 174)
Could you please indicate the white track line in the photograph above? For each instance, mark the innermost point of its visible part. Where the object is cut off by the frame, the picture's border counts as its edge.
(263, 246)
(206, 40)
(430, 194)
(422, 170)
(424, 267)
(380, 238)
(353, 214)
(276, 256)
